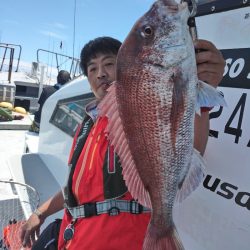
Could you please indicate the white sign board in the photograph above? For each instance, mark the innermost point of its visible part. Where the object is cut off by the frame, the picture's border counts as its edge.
(217, 215)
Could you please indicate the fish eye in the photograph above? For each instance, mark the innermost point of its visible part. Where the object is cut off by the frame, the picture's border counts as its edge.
(147, 31)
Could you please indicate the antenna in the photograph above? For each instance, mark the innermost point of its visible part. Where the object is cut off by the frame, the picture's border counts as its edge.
(74, 30)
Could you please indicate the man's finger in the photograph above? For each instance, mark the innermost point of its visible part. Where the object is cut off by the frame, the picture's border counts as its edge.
(33, 239)
(204, 45)
(212, 78)
(26, 240)
(211, 57)
(22, 233)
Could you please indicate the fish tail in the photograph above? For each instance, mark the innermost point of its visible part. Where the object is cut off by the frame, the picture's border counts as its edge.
(156, 240)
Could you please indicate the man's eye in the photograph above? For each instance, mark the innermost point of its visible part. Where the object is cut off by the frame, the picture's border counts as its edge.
(109, 64)
(92, 69)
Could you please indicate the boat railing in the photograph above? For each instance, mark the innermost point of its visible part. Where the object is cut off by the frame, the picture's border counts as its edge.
(10, 63)
(11, 47)
(72, 64)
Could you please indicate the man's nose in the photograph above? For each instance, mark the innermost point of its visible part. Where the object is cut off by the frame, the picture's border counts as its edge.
(101, 72)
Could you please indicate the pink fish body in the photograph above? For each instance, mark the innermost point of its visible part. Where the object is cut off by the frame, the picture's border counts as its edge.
(151, 109)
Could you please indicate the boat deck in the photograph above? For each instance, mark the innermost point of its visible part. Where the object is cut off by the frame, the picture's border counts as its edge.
(23, 124)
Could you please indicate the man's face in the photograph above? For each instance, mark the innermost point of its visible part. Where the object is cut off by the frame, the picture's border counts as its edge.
(101, 73)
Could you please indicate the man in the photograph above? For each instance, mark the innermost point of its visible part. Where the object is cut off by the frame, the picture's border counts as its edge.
(97, 175)
(62, 78)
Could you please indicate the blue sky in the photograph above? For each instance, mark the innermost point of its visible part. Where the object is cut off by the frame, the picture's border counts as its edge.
(43, 24)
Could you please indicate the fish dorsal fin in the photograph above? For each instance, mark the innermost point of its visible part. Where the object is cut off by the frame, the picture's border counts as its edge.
(193, 177)
(115, 131)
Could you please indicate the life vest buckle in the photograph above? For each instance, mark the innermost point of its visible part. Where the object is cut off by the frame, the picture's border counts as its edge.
(90, 209)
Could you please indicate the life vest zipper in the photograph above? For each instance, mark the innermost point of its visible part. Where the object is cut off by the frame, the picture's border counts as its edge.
(83, 164)
(93, 152)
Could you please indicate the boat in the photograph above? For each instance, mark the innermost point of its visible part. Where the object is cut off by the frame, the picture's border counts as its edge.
(217, 214)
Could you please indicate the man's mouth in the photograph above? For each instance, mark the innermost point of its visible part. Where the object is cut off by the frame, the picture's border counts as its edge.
(105, 85)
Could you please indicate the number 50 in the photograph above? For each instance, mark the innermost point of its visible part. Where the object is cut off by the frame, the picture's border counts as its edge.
(234, 68)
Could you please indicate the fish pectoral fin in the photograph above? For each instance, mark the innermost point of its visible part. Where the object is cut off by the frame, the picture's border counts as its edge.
(208, 96)
(193, 178)
(115, 132)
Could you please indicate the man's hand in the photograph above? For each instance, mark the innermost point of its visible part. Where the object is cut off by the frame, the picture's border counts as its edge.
(210, 68)
(210, 63)
(30, 230)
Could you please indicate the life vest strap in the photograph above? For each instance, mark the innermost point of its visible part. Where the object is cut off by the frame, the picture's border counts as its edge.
(111, 207)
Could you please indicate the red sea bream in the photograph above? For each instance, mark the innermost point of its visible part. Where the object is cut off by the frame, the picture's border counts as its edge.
(151, 108)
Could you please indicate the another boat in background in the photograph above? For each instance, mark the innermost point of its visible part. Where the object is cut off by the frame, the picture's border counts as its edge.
(21, 83)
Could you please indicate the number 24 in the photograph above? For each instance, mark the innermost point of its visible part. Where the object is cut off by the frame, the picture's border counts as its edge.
(229, 129)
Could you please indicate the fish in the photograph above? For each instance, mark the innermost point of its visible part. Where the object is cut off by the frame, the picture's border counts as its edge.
(150, 109)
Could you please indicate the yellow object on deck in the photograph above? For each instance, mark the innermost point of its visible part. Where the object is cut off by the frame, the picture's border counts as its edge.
(6, 105)
(20, 110)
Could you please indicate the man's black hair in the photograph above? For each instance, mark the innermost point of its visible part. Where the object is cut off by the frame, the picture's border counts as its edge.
(105, 45)
(63, 77)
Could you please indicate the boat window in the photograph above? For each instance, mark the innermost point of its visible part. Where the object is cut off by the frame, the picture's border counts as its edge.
(70, 112)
